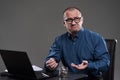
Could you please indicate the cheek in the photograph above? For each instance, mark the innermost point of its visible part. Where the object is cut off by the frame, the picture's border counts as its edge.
(67, 25)
(81, 23)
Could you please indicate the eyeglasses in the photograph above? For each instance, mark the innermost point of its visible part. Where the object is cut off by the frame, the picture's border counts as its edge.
(70, 20)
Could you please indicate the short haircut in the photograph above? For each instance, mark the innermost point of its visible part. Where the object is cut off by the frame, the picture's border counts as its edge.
(71, 9)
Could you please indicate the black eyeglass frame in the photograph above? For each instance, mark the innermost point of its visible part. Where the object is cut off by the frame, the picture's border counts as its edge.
(75, 19)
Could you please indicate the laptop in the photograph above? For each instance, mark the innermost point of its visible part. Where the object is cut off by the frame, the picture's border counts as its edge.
(19, 65)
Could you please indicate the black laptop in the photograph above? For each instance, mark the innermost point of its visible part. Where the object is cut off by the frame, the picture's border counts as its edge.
(19, 65)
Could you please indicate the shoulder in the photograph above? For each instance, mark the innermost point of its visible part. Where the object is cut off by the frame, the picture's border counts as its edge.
(94, 37)
(92, 34)
(61, 36)
(59, 39)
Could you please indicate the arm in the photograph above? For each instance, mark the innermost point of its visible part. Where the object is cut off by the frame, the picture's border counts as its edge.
(54, 56)
(101, 57)
(100, 61)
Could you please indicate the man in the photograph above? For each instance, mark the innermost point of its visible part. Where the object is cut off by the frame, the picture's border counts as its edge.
(79, 49)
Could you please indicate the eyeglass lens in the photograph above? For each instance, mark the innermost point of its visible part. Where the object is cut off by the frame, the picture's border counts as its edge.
(76, 19)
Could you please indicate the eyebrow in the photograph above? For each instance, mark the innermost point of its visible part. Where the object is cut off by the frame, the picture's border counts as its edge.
(72, 18)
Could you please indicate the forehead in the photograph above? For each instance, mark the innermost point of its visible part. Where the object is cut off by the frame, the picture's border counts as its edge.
(72, 13)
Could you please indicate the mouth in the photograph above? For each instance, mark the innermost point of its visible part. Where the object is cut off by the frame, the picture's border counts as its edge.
(73, 26)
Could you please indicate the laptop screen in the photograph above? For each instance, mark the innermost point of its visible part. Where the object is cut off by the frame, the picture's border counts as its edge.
(17, 63)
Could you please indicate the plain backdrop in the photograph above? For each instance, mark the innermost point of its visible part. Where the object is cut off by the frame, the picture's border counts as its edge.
(32, 25)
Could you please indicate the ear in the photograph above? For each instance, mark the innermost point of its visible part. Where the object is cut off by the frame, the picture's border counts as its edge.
(82, 20)
(64, 23)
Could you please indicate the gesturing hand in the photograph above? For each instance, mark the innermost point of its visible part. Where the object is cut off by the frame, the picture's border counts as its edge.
(81, 66)
(51, 63)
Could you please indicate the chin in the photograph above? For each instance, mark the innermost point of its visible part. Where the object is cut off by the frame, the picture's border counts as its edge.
(74, 31)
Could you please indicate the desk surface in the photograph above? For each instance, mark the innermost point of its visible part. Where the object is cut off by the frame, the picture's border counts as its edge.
(70, 76)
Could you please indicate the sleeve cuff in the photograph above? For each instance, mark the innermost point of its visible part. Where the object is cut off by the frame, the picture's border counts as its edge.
(90, 66)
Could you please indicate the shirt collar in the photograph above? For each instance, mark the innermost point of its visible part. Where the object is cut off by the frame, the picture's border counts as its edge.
(78, 35)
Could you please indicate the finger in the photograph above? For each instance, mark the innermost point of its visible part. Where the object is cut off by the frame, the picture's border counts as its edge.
(50, 64)
(85, 62)
(54, 65)
(80, 66)
(74, 65)
(50, 61)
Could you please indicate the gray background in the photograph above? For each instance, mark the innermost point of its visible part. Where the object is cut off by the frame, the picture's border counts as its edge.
(32, 25)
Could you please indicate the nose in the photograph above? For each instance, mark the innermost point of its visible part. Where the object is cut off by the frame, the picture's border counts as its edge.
(73, 22)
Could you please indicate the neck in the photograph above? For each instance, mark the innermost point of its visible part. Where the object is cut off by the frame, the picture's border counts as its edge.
(73, 34)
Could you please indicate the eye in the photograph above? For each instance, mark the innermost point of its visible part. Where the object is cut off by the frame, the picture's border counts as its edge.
(69, 19)
(77, 18)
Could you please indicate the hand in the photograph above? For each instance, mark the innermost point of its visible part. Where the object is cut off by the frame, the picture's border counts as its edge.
(81, 66)
(51, 63)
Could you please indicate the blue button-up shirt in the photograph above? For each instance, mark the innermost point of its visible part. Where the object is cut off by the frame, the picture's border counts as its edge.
(86, 45)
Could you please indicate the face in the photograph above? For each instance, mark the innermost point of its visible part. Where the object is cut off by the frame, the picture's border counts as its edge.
(73, 21)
